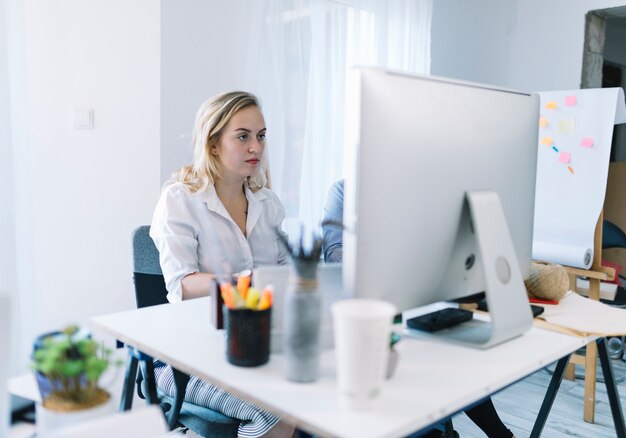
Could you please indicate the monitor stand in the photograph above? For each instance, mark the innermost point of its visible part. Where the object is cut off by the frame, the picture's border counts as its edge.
(510, 314)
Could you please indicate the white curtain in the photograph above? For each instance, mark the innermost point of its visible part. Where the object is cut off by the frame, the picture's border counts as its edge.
(15, 276)
(300, 54)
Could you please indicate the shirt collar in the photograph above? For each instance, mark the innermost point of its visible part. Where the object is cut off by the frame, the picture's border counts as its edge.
(213, 203)
(254, 207)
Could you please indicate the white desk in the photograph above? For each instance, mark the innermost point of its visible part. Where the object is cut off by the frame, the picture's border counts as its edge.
(432, 381)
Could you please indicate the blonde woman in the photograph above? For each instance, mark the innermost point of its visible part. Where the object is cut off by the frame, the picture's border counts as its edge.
(216, 217)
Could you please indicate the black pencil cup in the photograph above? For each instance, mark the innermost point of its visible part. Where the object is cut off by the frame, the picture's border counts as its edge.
(247, 336)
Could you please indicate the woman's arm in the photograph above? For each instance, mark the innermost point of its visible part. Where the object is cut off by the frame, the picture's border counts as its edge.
(333, 234)
(174, 232)
(198, 284)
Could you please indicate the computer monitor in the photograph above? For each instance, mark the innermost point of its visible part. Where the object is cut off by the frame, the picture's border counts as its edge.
(439, 196)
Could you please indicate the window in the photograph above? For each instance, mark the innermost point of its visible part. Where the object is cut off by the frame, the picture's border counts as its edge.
(300, 55)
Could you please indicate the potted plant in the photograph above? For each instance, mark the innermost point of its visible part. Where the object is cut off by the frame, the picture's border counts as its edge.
(68, 366)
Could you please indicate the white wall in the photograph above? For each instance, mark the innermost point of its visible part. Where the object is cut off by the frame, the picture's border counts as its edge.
(203, 53)
(89, 188)
(522, 44)
(470, 39)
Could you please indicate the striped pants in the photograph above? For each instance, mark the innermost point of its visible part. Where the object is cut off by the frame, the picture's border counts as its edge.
(254, 421)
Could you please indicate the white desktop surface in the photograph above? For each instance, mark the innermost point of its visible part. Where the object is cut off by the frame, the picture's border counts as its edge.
(432, 379)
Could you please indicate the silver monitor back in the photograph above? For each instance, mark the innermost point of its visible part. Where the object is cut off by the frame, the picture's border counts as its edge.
(415, 146)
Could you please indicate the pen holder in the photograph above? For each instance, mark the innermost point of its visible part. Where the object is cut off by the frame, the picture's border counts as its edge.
(247, 336)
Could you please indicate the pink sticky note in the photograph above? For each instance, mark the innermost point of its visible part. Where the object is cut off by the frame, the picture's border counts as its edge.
(587, 142)
(570, 100)
(565, 157)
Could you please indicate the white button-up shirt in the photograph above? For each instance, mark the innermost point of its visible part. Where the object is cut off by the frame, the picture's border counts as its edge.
(195, 233)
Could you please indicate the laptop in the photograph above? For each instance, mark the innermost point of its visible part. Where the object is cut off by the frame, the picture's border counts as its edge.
(330, 286)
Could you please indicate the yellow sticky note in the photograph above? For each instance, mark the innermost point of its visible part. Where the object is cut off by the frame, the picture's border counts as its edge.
(566, 126)
(543, 122)
(547, 141)
(551, 105)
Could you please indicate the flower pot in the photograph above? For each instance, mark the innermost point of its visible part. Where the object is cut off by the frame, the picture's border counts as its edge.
(302, 319)
(49, 420)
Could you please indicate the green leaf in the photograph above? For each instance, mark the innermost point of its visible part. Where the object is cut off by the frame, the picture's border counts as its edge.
(95, 367)
(71, 368)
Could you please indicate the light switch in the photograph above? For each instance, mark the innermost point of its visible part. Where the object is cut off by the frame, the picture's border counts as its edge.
(82, 118)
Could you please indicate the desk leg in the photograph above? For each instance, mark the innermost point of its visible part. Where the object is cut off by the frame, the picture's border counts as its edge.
(548, 400)
(130, 375)
(611, 389)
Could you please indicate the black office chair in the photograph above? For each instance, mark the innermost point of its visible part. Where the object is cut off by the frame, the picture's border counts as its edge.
(614, 237)
(149, 291)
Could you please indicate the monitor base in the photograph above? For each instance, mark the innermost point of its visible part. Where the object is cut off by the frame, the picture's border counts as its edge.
(509, 312)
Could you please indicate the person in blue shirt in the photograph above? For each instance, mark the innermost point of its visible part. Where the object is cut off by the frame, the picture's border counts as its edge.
(484, 414)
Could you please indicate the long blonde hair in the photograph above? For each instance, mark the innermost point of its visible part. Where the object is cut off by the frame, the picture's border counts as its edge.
(212, 117)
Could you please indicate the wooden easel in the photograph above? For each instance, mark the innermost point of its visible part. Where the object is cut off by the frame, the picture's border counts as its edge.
(595, 274)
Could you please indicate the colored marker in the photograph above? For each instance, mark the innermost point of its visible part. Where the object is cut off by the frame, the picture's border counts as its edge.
(570, 169)
(555, 149)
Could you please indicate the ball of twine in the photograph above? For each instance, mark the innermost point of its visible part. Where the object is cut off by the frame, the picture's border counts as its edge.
(547, 281)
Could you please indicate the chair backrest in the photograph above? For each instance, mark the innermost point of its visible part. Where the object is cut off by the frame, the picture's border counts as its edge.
(150, 287)
(150, 290)
(612, 236)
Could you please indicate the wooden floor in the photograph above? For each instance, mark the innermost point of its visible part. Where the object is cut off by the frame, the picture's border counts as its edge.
(519, 404)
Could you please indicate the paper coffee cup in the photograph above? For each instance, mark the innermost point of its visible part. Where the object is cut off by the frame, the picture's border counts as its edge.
(362, 330)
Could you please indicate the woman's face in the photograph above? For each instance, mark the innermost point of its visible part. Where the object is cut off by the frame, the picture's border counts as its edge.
(241, 144)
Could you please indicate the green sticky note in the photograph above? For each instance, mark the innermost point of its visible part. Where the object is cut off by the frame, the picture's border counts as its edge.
(566, 126)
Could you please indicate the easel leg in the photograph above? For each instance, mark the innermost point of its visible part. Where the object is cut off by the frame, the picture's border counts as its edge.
(570, 372)
(590, 382)
(591, 356)
(611, 389)
(548, 400)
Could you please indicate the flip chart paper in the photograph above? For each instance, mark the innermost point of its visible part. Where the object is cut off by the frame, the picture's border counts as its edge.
(570, 195)
(585, 316)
